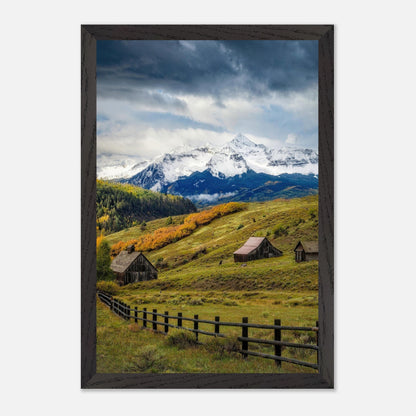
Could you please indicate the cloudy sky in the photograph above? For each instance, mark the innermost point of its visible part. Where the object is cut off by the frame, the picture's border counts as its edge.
(153, 96)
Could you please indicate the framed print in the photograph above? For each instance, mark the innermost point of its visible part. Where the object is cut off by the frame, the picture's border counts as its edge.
(207, 157)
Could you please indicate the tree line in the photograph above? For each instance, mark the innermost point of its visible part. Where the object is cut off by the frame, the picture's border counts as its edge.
(122, 205)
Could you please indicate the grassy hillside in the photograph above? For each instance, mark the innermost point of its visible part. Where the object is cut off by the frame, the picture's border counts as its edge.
(192, 281)
(172, 233)
(193, 262)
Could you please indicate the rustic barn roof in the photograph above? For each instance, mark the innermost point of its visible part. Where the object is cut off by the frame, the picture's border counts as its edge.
(123, 261)
(309, 246)
(250, 245)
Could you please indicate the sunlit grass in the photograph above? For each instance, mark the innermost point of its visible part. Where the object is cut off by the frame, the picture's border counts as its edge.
(125, 347)
(193, 281)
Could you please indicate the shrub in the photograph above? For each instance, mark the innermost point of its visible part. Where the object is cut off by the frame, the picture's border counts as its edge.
(200, 250)
(195, 302)
(162, 265)
(220, 346)
(312, 213)
(280, 230)
(148, 360)
(109, 287)
(181, 340)
(296, 221)
(230, 303)
(103, 262)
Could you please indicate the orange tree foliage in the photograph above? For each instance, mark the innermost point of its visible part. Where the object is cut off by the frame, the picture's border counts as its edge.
(166, 235)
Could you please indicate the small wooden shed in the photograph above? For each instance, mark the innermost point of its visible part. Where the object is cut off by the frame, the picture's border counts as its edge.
(132, 266)
(256, 248)
(306, 250)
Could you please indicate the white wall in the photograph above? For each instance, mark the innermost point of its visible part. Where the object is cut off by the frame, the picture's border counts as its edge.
(375, 152)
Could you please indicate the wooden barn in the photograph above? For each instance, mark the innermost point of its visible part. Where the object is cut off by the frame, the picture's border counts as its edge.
(307, 250)
(256, 248)
(132, 266)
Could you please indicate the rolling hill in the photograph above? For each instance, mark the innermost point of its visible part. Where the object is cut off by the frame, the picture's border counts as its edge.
(197, 275)
(194, 261)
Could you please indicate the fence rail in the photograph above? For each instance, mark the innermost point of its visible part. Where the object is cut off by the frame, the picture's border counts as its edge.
(151, 317)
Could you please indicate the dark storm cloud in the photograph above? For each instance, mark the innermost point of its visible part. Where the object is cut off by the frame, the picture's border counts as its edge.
(194, 92)
(215, 68)
(278, 65)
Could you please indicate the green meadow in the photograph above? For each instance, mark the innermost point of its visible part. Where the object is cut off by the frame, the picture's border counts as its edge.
(198, 275)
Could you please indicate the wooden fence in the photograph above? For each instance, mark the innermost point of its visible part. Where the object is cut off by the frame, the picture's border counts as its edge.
(151, 317)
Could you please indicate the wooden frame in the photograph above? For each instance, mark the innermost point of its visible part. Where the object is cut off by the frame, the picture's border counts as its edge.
(325, 35)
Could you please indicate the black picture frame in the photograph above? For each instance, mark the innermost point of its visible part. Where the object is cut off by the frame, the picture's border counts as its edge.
(89, 35)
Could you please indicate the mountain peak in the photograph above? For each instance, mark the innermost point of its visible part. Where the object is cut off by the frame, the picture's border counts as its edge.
(241, 140)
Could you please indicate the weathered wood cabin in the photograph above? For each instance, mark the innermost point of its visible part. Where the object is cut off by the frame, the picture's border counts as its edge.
(306, 250)
(132, 266)
(256, 248)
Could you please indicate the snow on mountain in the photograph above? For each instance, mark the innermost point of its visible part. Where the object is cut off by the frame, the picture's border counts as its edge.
(274, 161)
(170, 167)
(184, 162)
(226, 163)
(118, 167)
(236, 157)
(293, 160)
(240, 142)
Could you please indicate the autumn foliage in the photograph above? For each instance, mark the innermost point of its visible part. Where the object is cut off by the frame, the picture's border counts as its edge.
(166, 235)
(100, 239)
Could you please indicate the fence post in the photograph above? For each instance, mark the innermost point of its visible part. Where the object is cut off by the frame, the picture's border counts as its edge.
(145, 317)
(128, 311)
(196, 327)
(317, 343)
(217, 326)
(179, 319)
(135, 314)
(112, 304)
(166, 322)
(278, 337)
(154, 320)
(244, 334)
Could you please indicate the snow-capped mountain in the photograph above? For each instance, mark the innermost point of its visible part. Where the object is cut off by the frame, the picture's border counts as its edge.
(169, 167)
(238, 170)
(236, 157)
